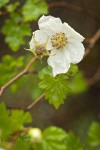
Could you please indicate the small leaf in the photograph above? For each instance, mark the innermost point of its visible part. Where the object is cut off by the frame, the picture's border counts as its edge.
(73, 143)
(55, 89)
(12, 121)
(18, 119)
(15, 32)
(53, 139)
(33, 9)
(94, 135)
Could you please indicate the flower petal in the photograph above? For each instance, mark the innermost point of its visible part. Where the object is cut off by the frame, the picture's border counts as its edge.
(49, 44)
(71, 33)
(40, 36)
(59, 61)
(76, 50)
(50, 24)
(32, 43)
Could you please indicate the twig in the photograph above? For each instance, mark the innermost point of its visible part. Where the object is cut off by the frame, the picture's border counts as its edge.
(74, 8)
(35, 102)
(92, 41)
(29, 107)
(18, 75)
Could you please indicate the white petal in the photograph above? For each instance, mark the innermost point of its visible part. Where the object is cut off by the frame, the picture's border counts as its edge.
(71, 33)
(76, 50)
(59, 61)
(32, 43)
(50, 24)
(40, 36)
(49, 44)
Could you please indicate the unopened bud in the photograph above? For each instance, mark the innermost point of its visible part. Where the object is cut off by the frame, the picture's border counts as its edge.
(35, 134)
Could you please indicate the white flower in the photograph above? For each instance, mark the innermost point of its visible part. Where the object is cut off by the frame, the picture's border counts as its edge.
(63, 42)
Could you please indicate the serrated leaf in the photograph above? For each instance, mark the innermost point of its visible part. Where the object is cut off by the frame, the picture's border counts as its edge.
(73, 143)
(15, 32)
(55, 89)
(33, 9)
(12, 121)
(53, 139)
(18, 119)
(94, 135)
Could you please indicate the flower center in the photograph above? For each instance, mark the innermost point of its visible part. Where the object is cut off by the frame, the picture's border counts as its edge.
(59, 40)
(40, 49)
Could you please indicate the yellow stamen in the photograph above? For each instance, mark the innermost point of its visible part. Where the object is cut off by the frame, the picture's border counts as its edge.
(59, 40)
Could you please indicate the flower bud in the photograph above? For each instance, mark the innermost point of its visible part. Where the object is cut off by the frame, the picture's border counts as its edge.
(35, 134)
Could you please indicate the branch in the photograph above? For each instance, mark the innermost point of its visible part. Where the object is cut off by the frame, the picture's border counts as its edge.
(74, 8)
(35, 102)
(18, 75)
(91, 42)
(29, 107)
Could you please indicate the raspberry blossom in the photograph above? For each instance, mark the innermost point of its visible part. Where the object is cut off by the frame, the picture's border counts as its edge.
(62, 42)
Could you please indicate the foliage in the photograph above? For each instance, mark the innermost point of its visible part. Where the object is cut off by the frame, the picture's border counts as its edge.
(3, 2)
(56, 89)
(14, 124)
(94, 135)
(15, 31)
(73, 143)
(16, 65)
(12, 128)
(53, 138)
(33, 9)
(15, 28)
(78, 84)
(10, 123)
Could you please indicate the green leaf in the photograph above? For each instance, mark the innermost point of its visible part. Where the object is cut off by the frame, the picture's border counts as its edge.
(6, 73)
(33, 9)
(12, 121)
(77, 84)
(19, 145)
(53, 139)
(55, 89)
(72, 70)
(94, 135)
(73, 143)
(11, 7)
(4, 122)
(15, 31)
(3, 2)
(18, 119)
